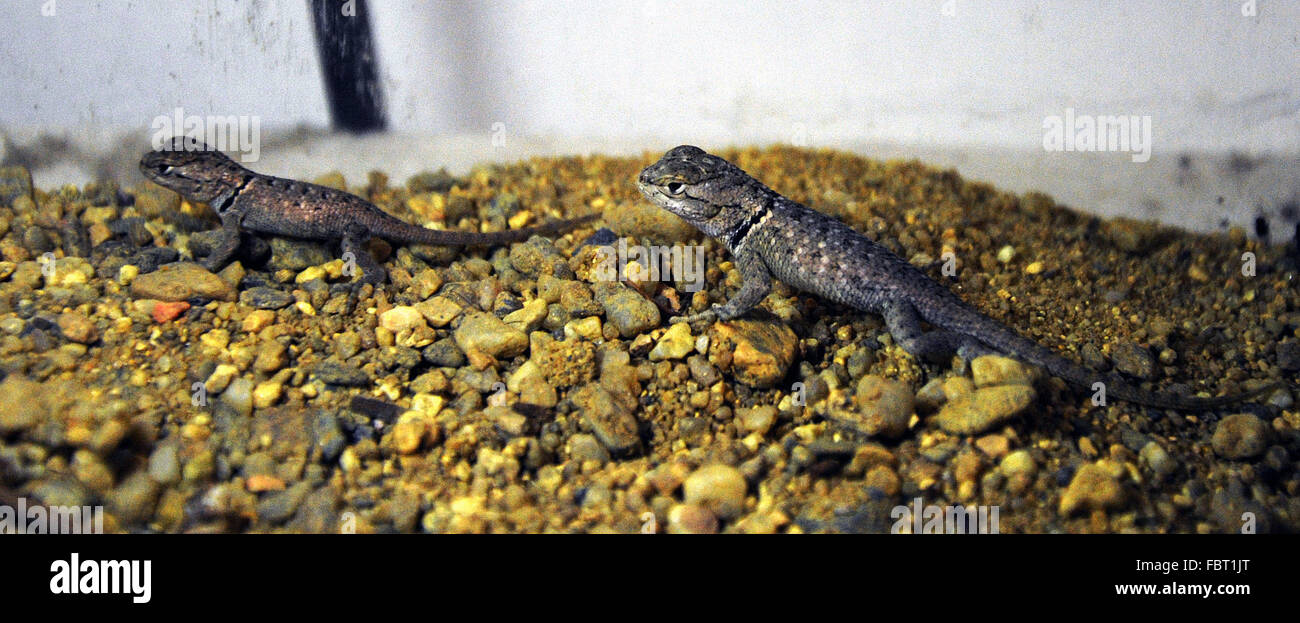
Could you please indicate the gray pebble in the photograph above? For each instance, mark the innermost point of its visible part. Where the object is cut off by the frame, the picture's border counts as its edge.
(336, 373)
(1134, 360)
(265, 298)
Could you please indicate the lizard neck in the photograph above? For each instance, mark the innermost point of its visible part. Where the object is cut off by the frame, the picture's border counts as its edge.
(744, 220)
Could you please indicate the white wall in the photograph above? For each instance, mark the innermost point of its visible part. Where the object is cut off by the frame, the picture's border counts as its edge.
(963, 83)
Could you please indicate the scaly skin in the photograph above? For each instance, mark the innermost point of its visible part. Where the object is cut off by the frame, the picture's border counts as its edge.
(250, 201)
(772, 236)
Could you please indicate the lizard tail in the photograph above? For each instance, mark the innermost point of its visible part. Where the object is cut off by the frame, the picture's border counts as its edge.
(464, 238)
(994, 334)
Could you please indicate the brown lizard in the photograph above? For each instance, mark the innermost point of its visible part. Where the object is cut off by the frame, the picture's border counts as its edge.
(250, 201)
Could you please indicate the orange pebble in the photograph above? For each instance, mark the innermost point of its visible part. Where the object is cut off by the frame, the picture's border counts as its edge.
(164, 311)
(261, 482)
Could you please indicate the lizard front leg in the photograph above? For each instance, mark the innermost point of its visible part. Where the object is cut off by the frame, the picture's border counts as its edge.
(227, 239)
(354, 243)
(757, 282)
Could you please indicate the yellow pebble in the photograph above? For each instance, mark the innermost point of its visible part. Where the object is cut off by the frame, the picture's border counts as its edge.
(127, 273)
(310, 273)
(519, 219)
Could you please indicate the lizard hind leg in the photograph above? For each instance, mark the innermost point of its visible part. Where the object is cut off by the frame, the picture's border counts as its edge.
(904, 325)
(354, 249)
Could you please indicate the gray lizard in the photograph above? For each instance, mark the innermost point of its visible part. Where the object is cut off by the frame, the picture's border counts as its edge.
(771, 236)
(250, 201)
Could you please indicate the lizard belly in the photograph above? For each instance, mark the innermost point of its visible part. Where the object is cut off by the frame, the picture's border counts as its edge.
(311, 229)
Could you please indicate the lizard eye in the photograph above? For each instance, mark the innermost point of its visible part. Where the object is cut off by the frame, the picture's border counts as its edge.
(676, 188)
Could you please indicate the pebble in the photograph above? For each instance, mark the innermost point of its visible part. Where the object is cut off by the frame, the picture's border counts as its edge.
(483, 332)
(995, 446)
(70, 271)
(625, 308)
(507, 421)
(612, 423)
(675, 343)
(691, 519)
(761, 352)
(444, 353)
(335, 373)
(181, 281)
(262, 297)
(77, 327)
(260, 483)
(757, 419)
(24, 403)
(267, 394)
(278, 506)
(577, 299)
(884, 407)
(588, 328)
(220, 378)
(216, 339)
(955, 387)
(583, 447)
(127, 273)
(1095, 486)
(407, 435)
(27, 275)
(702, 371)
(347, 344)
(931, 395)
(719, 488)
(167, 311)
(439, 311)
(990, 370)
(1134, 360)
(295, 254)
(538, 392)
(135, 498)
(1158, 461)
(402, 318)
(271, 356)
(528, 317)
(310, 273)
(257, 320)
(239, 395)
(1240, 436)
(984, 409)
(164, 465)
(1018, 462)
(883, 478)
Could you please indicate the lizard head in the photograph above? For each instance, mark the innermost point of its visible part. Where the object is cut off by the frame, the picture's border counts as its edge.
(695, 185)
(189, 167)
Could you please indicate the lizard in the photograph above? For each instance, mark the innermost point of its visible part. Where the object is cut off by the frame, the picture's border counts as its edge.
(249, 201)
(770, 236)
